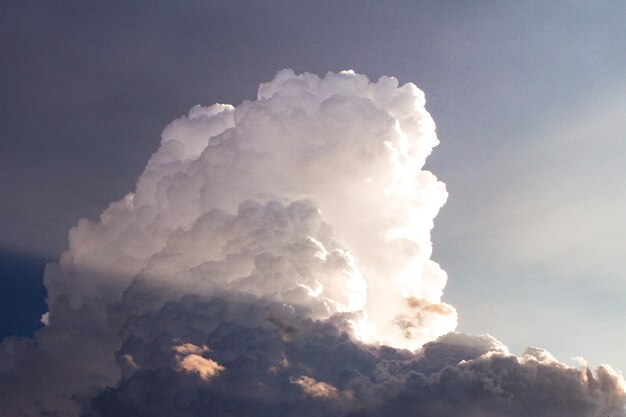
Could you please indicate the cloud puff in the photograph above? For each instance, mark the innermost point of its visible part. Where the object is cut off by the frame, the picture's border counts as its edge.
(315, 389)
(189, 359)
(291, 235)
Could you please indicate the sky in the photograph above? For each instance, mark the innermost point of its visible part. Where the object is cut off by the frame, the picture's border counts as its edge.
(528, 99)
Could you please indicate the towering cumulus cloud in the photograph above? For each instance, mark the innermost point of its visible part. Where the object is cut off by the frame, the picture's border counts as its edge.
(274, 260)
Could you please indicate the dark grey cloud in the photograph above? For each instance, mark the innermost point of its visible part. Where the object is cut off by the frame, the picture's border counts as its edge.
(455, 375)
(267, 349)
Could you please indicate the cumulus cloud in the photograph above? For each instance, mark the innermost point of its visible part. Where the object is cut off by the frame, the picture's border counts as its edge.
(291, 235)
(313, 194)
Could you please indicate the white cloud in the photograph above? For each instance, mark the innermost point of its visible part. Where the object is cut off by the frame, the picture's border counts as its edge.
(314, 194)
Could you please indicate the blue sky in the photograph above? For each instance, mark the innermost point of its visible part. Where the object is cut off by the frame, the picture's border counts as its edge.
(529, 101)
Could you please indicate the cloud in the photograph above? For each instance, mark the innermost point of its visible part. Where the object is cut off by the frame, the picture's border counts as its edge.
(291, 235)
(322, 369)
(315, 389)
(313, 194)
(189, 359)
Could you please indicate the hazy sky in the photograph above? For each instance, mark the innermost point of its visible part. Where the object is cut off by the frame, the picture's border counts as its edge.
(529, 99)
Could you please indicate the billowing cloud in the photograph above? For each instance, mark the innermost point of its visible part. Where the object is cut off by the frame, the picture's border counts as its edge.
(274, 259)
(322, 369)
(313, 194)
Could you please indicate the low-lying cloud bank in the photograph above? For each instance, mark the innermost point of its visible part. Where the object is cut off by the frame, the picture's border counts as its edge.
(276, 363)
(274, 260)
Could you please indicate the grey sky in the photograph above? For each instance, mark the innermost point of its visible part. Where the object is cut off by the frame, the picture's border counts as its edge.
(529, 99)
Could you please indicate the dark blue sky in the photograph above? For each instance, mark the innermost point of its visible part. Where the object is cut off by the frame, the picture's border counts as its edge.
(528, 97)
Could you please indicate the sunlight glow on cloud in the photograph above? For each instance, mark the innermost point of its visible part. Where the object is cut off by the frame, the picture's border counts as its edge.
(190, 359)
(315, 389)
